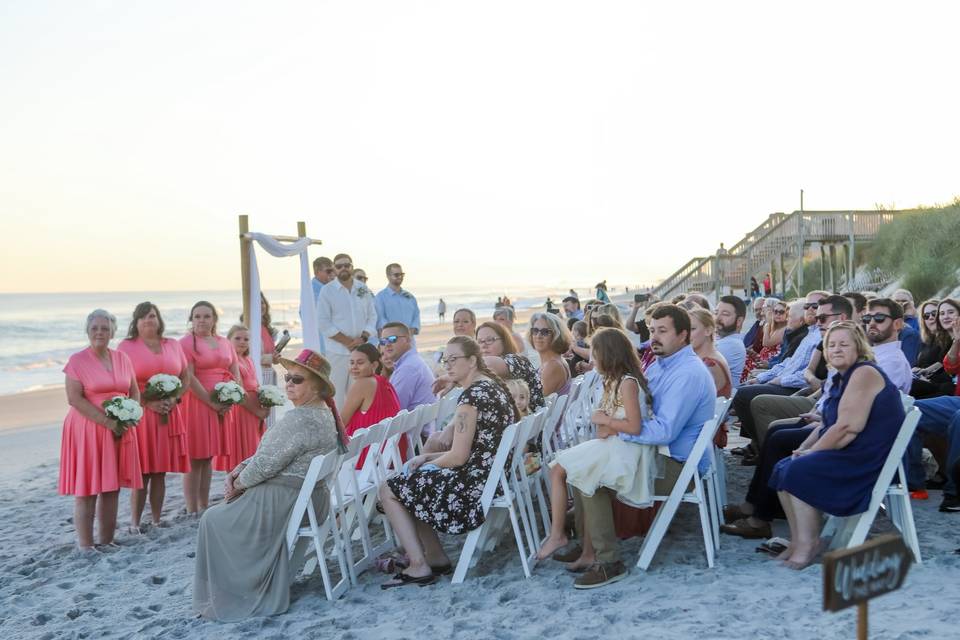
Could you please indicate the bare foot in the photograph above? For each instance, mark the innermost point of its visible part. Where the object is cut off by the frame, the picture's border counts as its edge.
(582, 563)
(551, 545)
(804, 555)
(786, 553)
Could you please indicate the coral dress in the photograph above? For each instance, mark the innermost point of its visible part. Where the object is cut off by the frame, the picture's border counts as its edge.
(206, 431)
(92, 459)
(244, 436)
(385, 405)
(162, 445)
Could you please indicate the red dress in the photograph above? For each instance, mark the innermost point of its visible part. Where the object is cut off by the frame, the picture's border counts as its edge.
(92, 459)
(162, 446)
(206, 431)
(247, 429)
(385, 405)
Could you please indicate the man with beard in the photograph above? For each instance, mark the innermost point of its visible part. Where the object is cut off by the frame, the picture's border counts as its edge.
(730, 314)
(347, 319)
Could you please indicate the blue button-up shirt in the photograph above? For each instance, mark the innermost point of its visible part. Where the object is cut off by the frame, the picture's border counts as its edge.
(735, 354)
(684, 397)
(397, 306)
(790, 371)
(412, 380)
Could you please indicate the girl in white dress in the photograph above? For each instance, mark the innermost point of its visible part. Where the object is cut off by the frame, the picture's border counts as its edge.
(608, 461)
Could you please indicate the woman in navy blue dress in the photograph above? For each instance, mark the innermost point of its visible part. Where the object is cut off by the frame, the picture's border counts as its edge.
(835, 469)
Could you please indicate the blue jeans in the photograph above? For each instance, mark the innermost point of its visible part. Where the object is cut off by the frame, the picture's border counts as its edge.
(939, 416)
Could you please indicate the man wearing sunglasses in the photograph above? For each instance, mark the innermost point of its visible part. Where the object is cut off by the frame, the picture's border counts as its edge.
(411, 377)
(347, 318)
(396, 304)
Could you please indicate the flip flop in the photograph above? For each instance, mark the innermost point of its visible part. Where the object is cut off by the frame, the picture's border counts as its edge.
(403, 580)
(442, 570)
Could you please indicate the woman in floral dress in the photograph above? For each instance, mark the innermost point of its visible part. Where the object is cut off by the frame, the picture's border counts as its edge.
(441, 491)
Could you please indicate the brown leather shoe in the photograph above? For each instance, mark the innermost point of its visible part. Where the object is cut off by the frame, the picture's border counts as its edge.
(601, 574)
(568, 554)
(744, 529)
(732, 512)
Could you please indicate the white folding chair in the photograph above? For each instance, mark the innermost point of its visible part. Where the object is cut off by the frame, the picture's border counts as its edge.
(448, 406)
(493, 505)
(525, 486)
(301, 538)
(852, 531)
(718, 466)
(700, 496)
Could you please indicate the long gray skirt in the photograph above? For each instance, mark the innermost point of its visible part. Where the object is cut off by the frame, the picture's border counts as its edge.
(242, 561)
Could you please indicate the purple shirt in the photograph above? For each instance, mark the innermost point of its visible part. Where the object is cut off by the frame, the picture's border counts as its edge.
(412, 380)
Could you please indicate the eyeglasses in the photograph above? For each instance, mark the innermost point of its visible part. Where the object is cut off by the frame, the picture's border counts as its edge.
(397, 275)
(545, 333)
(811, 305)
(823, 317)
(930, 315)
(449, 361)
(390, 340)
(344, 265)
(295, 379)
(486, 341)
(879, 318)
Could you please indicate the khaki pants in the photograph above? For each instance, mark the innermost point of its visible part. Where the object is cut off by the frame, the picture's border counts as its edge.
(596, 513)
(340, 376)
(767, 408)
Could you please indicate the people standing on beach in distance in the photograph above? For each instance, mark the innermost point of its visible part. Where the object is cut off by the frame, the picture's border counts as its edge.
(162, 432)
(347, 318)
(97, 456)
(412, 379)
(505, 317)
(684, 396)
(571, 307)
(249, 417)
(323, 272)
(396, 304)
(754, 287)
(442, 310)
(767, 285)
(243, 565)
(464, 322)
(550, 338)
(731, 311)
(498, 303)
(602, 292)
(507, 302)
(549, 305)
(210, 359)
(441, 491)
(607, 463)
(371, 397)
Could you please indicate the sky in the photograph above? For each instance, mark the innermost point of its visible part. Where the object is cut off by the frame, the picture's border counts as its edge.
(511, 143)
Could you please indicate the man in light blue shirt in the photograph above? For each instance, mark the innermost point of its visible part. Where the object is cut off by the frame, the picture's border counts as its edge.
(731, 312)
(323, 272)
(396, 304)
(412, 379)
(684, 397)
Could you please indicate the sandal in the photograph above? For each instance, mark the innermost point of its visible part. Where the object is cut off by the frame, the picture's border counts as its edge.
(403, 580)
(442, 570)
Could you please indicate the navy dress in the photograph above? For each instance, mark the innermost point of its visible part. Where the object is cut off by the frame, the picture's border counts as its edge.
(840, 481)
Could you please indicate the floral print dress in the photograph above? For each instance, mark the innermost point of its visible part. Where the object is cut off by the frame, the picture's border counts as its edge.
(449, 499)
(522, 369)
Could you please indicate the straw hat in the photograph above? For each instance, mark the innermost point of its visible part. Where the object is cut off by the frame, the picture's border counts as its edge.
(315, 364)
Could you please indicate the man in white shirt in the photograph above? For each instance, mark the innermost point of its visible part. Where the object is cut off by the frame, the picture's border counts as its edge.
(347, 318)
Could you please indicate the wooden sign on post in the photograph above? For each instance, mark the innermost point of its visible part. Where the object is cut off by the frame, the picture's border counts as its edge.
(855, 576)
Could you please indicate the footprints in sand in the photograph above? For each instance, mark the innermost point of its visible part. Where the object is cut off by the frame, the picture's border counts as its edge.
(155, 580)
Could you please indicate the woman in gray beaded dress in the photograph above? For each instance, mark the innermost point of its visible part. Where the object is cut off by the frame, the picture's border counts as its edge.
(242, 565)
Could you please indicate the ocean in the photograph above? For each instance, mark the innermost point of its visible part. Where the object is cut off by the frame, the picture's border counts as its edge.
(39, 331)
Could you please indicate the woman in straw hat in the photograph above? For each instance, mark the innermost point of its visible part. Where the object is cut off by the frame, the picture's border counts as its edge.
(242, 567)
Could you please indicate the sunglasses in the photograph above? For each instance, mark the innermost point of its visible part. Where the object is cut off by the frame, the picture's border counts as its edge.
(389, 340)
(295, 379)
(362, 278)
(811, 305)
(930, 315)
(397, 275)
(823, 317)
(546, 333)
(344, 265)
(779, 312)
(879, 318)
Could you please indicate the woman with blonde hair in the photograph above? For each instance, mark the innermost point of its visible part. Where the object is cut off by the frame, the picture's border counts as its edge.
(550, 338)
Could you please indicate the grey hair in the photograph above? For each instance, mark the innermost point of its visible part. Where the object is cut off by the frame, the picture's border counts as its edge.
(504, 311)
(102, 313)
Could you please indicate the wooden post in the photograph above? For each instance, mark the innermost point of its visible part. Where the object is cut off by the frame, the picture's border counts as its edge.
(245, 265)
(833, 271)
(301, 229)
(800, 252)
(862, 620)
(783, 277)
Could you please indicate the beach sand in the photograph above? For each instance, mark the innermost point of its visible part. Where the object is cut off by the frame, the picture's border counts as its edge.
(142, 588)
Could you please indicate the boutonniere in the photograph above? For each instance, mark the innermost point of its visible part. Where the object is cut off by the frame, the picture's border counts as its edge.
(363, 292)
(406, 294)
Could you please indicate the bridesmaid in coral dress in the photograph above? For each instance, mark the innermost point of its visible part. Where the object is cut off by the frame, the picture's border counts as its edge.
(210, 359)
(162, 432)
(248, 418)
(371, 397)
(94, 461)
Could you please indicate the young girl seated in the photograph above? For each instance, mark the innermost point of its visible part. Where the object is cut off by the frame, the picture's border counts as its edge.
(607, 461)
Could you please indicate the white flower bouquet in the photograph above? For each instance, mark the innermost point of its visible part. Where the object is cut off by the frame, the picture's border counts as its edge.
(270, 395)
(162, 386)
(125, 411)
(228, 393)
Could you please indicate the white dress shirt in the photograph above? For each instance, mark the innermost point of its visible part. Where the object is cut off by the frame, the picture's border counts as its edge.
(348, 312)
